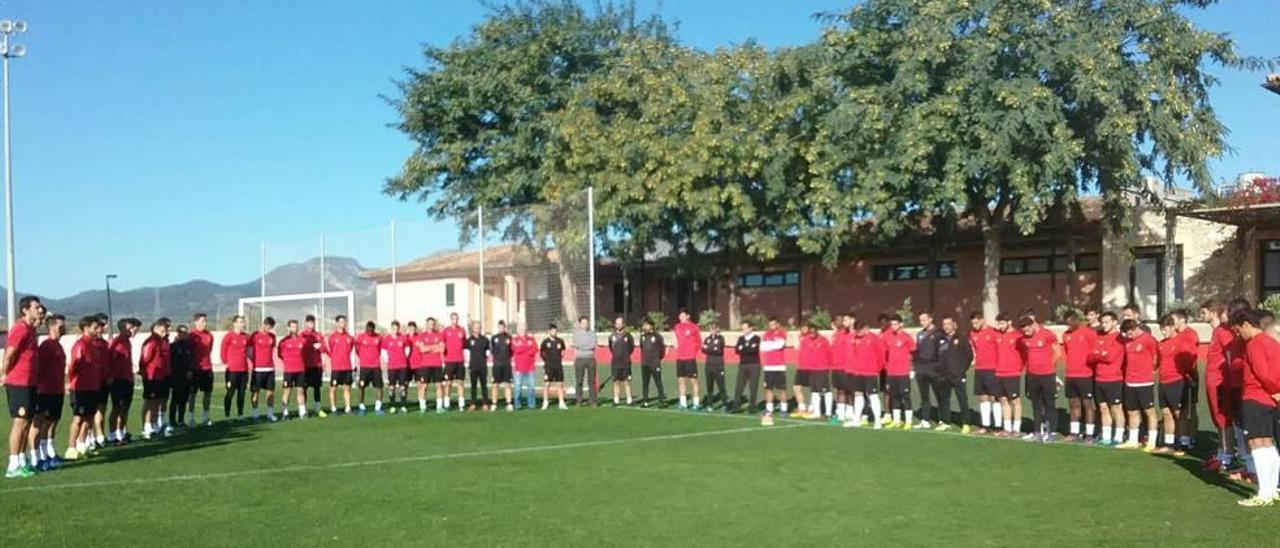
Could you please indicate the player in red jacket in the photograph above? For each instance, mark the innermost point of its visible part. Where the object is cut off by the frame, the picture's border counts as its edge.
(201, 341)
(1140, 350)
(814, 360)
(1190, 416)
(866, 357)
(291, 351)
(120, 372)
(262, 348)
(1077, 344)
(313, 362)
(1219, 393)
(688, 340)
(1107, 360)
(85, 373)
(340, 345)
(1259, 413)
(153, 366)
(983, 337)
(51, 389)
(234, 353)
(369, 357)
(1171, 367)
(899, 346)
(455, 369)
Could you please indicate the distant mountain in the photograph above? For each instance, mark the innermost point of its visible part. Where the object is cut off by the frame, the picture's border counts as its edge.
(220, 301)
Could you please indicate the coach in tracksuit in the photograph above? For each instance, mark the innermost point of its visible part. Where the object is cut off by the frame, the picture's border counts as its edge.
(713, 348)
(584, 361)
(955, 355)
(652, 349)
(925, 360)
(748, 348)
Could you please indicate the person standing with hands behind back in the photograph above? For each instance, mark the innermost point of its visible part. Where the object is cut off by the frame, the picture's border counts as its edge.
(552, 352)
(584, 360)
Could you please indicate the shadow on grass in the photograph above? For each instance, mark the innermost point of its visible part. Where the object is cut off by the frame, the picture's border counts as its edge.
(189, 439)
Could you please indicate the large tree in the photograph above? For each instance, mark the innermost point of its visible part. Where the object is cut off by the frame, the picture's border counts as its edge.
(484, 109)
(997, 109)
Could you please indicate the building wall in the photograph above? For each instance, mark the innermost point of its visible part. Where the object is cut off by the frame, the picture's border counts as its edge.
(416, 300)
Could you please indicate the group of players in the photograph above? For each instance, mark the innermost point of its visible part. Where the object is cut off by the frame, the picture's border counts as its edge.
(1118, 377)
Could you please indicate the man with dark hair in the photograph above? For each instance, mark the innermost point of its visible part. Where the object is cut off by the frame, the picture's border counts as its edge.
(153, 366)
(1174, 353)
(86, 363)
(477, 345)
(502, 352)
(1107, 361)
(652, 348)
(291, 350)
(396, 346)
(1077, 343)
(455, 372)
(1132, 312)
(925, 361)
(688, 339)
(899, 347)
(621, 345)
(1258, 411)
(234, 353)
(1140, 350)
(430, 346)
(369, 357)
(748, 348)
(1217, 388)
(120, 383)
(867, 357)
(201, 343)
(713, 349)
(313, 362)
(955, 355)
(842, 367)
(773, 351)
(340, 345)
(1039, 348)
(51, 390)
(813, 359)
(584, 361)
(552, 353)
(181, 364)
(984, 340)
(262, 346)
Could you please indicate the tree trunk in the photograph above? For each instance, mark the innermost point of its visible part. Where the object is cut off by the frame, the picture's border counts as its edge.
(1071, 270)
(735, 303)
(991, 272)
(568, 290)
(1170, 255)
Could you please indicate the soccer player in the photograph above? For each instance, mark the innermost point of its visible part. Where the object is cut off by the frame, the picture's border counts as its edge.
(369, 356)
(102, 347)
(1190, 417)
(340, 346)
(621, 345)
(984, 339)
(1107, 361)
(748, 347)
(688, 339)
(20, 381)
(1132, 312)
(1139, 377)
(51, 388)
(955, 355)
(1039, 348)
(1093, 318)
(1217, 386)
(652, 349)
(291, 350)
(813, 359)
(396, 346)
(234, 353)
(430, 345)
(713, 349)
(182, 361)
(524, 352)
(552, 353)
(120, 383)
(867, 358)
(154, 369)
(841, 367)
(1172, 354)
(477, 345)
(262, 345)
(899, 346)
(1010, 364)
(85, 372)
(455, 373)
(584, 360)
(500, 348)
(1078, 342)
(773, 351)
(925, 361)
(313, 362)
(1258, 410)
(201, 341)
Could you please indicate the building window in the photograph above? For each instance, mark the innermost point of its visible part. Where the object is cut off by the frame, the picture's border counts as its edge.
(903, 272)
(1270, 265)
(619, 298)
(1085, 262)
(769, 279)
(448, 294)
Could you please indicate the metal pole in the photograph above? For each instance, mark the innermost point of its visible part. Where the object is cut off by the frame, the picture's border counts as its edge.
(394, 296)
(322, 288)
(480, 231)
(109, 325)
(262, 278)
(591, 248)
(10, 311)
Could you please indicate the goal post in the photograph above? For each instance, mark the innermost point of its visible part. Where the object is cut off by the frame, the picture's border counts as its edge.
(297, 304)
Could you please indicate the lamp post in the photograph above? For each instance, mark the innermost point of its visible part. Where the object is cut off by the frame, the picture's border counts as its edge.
(109, 324)
(7, 52)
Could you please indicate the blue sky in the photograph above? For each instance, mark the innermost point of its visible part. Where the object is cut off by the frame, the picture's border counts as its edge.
(162, 141)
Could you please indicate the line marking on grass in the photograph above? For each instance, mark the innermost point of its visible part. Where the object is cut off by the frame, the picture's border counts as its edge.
(398, 460)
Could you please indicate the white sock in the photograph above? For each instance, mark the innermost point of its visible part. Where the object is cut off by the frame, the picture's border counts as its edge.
(1267, 461)
(1089, 429)
(463, 403)
(446, 401)
(875, 409)
(1152, 436)
(859, 403)
(1017, 425)
(629, 402)
(255, 412)
(997, 414)
(111, 436)
(828, 398)
(1106, 434)
(897, 415)
(684, 402)
(615, 400)
(783, 405)
(908, 414)
(422, 403)
(1133, 435)
(984, 411)
(22, 460)
(1075, 428)
(48, 448)
(1168, 439)
(697, 402)
(768, 407)
(14, 463)
(36, 455)
(377, 405)
(815, 403)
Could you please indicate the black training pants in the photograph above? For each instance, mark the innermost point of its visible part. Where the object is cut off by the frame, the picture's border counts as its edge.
(748, 375)
(480, 379)
(715, 378)
(945, 386)
(1043, 392)
(653, 372)
(178, 398)
(926, 379)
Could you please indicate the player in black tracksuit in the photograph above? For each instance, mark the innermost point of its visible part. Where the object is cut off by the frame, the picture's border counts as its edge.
(713, 348)
(621, 344)
(955, 356)
(748, 347)
(925, 362)
(182, 360)
(652, 348)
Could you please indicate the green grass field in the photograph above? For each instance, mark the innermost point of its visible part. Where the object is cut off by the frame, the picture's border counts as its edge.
(620, 477)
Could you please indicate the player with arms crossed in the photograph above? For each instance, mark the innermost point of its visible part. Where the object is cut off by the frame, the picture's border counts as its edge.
(524, 352)
(867, 358)
(477, 347)
(552, 353)
(773, 352)
(748, 347)
(653, 347)
(500, 347)
(313, 362)
(1107, 360)
(713, 349)
(431, 346)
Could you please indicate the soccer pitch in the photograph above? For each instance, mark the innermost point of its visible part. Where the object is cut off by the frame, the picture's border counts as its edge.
(624, 476)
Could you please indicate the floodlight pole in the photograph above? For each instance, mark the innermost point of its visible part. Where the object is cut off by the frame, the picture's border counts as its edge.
(6, 52)
(394, 296)
(480, 231)
(591, 254)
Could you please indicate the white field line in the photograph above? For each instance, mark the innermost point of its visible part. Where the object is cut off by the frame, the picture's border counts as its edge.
(398, 460)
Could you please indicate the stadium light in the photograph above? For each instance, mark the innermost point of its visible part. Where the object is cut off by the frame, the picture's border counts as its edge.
(109, 278)
(7, 52)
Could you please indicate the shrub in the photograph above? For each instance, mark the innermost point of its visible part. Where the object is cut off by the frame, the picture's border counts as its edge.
(906, 313)
(658, 318)
(708, 317)
(1060, 313)
(758, 320)
(1271, 304)
(819, 318)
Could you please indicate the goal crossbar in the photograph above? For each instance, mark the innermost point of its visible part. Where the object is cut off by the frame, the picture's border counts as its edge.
(319, 296)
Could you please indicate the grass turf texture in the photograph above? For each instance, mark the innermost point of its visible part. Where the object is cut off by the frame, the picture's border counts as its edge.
(622, 476)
